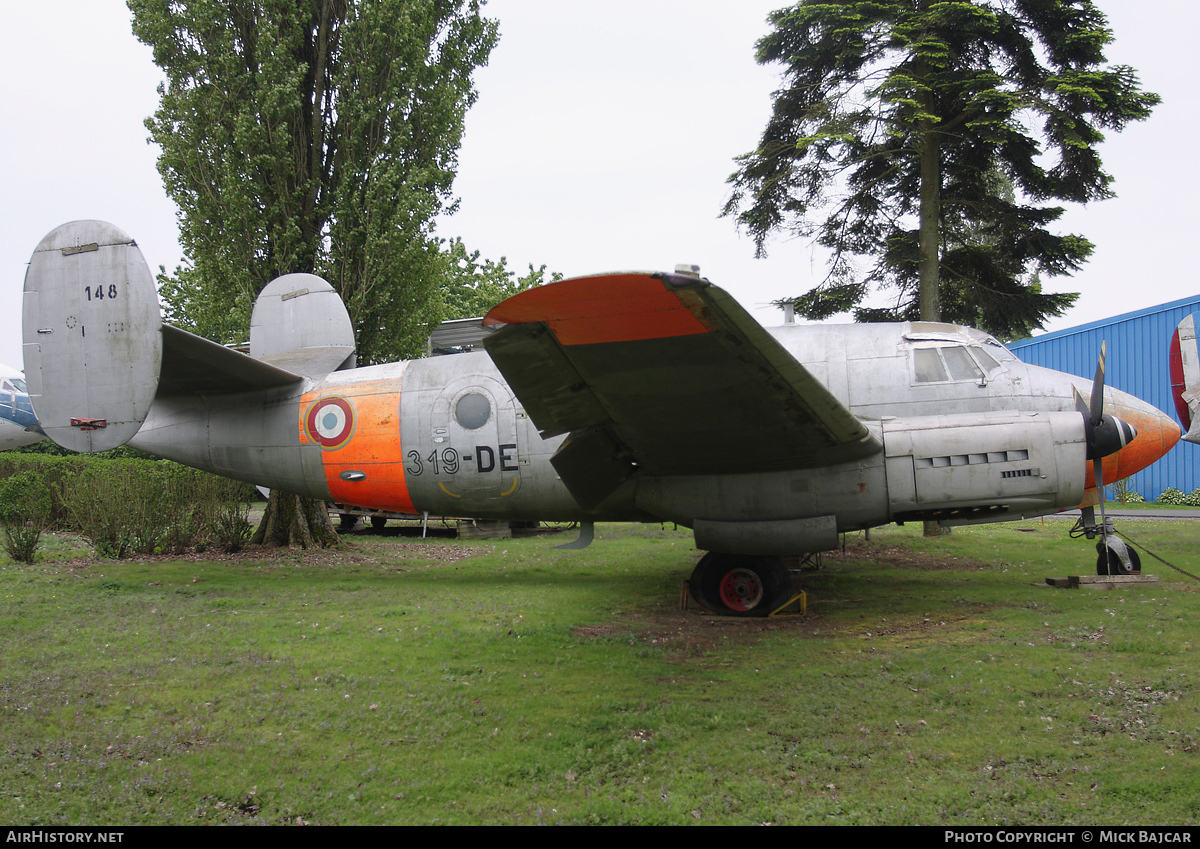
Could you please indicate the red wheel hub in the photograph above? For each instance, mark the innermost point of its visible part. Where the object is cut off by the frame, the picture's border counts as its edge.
(741, 589)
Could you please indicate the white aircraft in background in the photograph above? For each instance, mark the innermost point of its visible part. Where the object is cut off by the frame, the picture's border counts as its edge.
(18, 425)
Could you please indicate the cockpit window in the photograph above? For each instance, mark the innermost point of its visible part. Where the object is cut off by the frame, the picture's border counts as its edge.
(962, 367)
(929, 366)
(20, 384)
(999, 351)
(952, 363)
(985, 359)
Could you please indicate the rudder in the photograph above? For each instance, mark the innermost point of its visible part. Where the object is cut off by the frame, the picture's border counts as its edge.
(92, 336)
(1184, 364)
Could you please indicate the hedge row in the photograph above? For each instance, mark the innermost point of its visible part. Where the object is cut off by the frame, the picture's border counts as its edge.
(126, 507)
(1171, 495)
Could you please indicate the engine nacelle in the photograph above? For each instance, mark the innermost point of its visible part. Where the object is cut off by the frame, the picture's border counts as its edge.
(984, 466)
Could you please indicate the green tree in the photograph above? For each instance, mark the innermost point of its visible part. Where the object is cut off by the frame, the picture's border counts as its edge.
(314, 136)
(472, 287)
(898, 128)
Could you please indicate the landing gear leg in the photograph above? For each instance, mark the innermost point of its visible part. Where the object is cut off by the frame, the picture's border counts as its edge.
(740, 584)
(1114, 557)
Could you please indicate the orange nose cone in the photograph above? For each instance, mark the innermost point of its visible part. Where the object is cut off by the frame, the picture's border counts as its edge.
(1156, 435)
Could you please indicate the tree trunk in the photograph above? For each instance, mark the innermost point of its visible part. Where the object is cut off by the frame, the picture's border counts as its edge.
(290, 520)
(929, 238)
(928, 241)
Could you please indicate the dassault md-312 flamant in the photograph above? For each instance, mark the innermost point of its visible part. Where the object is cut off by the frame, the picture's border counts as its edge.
(619, 397)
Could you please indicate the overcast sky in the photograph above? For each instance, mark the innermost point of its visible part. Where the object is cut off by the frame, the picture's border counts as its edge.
(601, 141)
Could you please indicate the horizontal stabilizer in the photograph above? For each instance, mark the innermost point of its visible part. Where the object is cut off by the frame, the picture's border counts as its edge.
(97, 353)
(192, 365)
(1184, 360)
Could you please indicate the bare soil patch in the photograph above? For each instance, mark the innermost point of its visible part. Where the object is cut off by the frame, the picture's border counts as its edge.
(894, 555)
(346, 553)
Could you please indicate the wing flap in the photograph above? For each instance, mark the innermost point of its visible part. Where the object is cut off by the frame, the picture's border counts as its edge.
(554, 394)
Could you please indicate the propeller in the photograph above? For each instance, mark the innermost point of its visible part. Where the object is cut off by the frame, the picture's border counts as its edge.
(1103, 435)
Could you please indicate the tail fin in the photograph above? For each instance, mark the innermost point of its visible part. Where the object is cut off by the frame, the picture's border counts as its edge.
(1185, 377)
(92, 336)
(300, 324)
(97, 352)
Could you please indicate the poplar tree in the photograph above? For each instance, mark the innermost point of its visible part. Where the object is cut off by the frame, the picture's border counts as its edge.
(473, 285)
(925, 144)
(315, 136)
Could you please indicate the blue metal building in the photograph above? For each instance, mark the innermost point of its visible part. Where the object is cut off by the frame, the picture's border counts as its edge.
(1137, 364)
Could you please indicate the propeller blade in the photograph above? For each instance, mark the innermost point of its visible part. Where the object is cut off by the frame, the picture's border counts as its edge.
(1081, 405)
(1097, 405)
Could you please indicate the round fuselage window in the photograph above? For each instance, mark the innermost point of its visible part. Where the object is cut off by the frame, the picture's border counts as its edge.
(472, 410)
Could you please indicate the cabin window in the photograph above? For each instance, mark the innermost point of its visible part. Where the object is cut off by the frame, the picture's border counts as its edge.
(472, 411)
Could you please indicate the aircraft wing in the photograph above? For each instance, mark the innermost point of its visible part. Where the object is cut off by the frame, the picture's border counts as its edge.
(666, 373)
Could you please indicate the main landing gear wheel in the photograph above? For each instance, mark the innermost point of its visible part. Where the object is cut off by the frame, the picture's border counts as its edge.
(740, 584)
(1113, 565)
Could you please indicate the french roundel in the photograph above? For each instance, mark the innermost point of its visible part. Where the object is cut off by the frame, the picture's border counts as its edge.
(330, 422)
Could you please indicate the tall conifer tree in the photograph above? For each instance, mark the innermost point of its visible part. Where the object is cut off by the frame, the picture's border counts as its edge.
(924, 144)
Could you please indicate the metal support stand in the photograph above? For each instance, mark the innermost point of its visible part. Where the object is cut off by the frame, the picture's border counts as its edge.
(801, 597)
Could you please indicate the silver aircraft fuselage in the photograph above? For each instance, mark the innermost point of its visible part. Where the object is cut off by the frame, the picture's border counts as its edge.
(970, 433)
(628, 396)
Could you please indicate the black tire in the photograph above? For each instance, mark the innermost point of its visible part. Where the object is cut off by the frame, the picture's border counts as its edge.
(1111, 565)
(347, 521)
(378, 521)
(740, 584)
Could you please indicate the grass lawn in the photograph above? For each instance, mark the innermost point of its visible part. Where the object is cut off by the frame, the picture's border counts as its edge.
(400, 681)
(1113, 504)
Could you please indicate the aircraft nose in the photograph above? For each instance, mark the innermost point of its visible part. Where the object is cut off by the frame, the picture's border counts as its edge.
(1155, 433)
